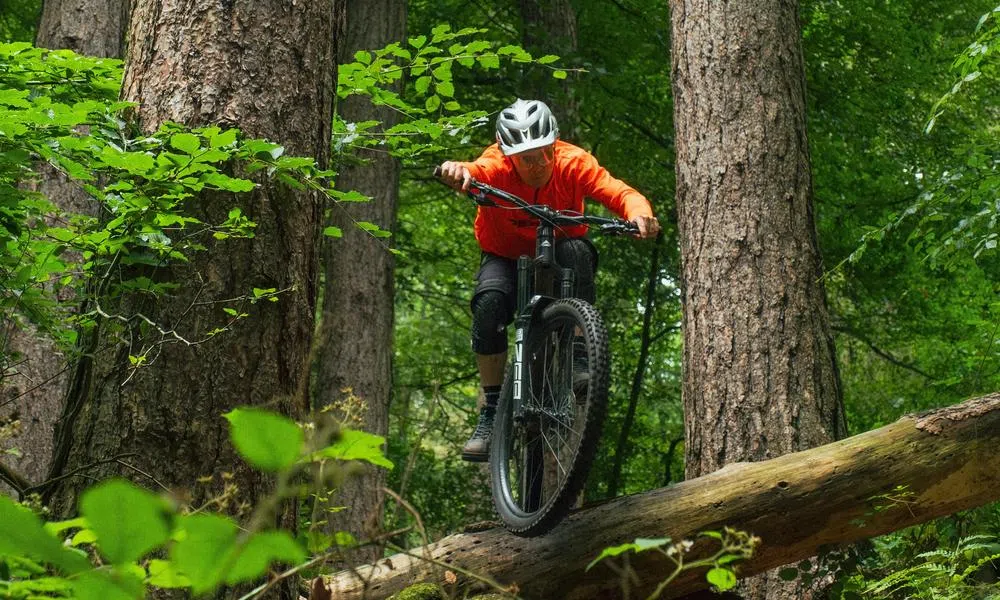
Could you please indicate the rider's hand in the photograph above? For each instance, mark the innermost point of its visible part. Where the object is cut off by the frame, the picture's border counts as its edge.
(455, 174)
(649, 227)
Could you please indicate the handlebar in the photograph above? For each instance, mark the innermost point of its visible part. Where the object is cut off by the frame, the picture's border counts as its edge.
(484, 194)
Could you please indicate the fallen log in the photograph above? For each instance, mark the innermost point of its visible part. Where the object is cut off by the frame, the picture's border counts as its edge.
(914, 470)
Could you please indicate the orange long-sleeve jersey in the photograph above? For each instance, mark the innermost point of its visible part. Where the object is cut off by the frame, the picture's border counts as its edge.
(575, 175)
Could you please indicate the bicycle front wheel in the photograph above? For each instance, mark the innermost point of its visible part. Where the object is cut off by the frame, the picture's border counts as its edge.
(544, 445)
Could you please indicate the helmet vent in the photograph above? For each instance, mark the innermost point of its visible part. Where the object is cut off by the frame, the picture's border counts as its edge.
(526, 125)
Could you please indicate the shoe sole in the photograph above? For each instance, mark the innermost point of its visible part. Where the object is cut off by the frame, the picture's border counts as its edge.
(475, 457)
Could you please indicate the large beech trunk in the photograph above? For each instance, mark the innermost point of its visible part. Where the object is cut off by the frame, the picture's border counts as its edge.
(34, 395)
(354, 349)
(549, 27)
(266, 67)
(91, 27)
(760, 374)
(796, 503)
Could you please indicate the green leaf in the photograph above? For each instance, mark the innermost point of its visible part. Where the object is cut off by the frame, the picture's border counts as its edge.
(267, 440)
(317, 541)
(56, 527)
(489, 61)
(163, 574)
(442, 72)
(185, 142)
(15, 98)
(351, 196)
(333, 232)
(722, 579)
(227, 183)
(560, 74)
(84, 536)
(432, 103)
(548, 58)
(642, 544)
(374, 229)
(445, 88)
(609, 552)
(357, 445)
(253, 559)
(108, 585)
(23, 534)
(205, 540)
(225, 138)
(788, 574)
(635, 546)
(419, 41)
(363, 57)
(422, 84)
(137, 163)
(128, 520)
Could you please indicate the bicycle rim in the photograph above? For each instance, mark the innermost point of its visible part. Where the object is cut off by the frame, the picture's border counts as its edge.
(540, 457)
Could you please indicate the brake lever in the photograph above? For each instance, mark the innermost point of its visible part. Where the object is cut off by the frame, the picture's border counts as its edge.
(480, 197)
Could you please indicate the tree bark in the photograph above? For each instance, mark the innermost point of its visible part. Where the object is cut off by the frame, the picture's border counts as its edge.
(549, 27)
(798, 504)
(34, 396)
(354, 358)
(760, 375)
(267, 68)
(91, 27)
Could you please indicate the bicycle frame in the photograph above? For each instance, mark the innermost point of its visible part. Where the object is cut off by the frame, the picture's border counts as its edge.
(540, 280)
(547, 428)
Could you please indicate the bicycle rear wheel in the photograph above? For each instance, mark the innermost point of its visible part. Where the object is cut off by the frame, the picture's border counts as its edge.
(542, 451)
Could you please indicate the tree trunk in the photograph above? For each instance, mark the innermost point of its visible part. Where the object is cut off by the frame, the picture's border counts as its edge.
(549, 27)
(267, 68)
(760, 376)
(354, 358)
(91, 27)
(34, 396)
(798, 504)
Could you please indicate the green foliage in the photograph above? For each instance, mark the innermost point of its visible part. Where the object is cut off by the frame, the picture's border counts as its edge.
(269, 441)
(966, 570)
(357, 445)
(18, 19)
(129, 521)
(145, 191)
(133, 529)
(433, 117)
(733, 546)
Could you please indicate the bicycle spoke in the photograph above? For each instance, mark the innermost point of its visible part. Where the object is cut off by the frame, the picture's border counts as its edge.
(555, 455)
(540, 474)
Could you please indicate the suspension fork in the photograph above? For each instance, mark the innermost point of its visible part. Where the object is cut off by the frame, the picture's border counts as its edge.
(529, 312)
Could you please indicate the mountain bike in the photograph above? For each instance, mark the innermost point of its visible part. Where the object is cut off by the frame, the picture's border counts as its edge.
(554, 396)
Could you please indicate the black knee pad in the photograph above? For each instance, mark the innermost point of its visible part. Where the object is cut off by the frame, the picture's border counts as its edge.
(491, 313)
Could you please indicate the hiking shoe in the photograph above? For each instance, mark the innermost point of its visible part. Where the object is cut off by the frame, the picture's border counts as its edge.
(477, 449)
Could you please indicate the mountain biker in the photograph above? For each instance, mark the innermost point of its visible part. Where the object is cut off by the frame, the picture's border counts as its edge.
(529, 160)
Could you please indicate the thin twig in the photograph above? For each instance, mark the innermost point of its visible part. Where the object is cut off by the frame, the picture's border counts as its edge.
(77, 470)
(14, 479)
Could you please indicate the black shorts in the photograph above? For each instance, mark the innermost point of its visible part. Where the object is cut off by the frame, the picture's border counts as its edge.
(497, 273)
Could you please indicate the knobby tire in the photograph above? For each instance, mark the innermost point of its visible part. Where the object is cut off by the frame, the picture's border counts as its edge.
(539, 463)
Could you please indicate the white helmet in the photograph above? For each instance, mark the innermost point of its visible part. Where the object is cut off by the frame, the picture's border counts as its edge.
(526, 125)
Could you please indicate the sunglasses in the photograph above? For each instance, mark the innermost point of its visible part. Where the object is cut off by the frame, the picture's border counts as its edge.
(535, 158)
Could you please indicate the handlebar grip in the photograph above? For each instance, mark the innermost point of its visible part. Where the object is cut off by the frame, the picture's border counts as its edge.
(620, 228)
